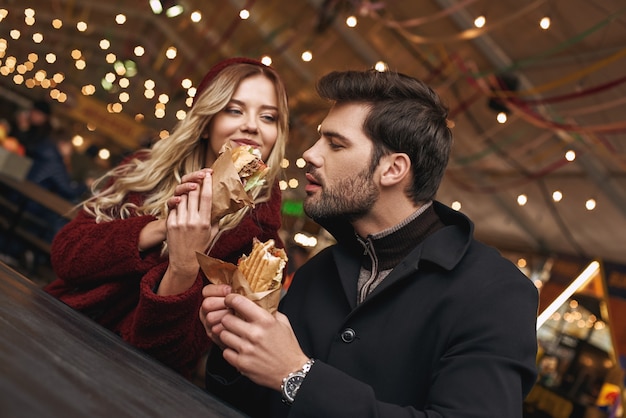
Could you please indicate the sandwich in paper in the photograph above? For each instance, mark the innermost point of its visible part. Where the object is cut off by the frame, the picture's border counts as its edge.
(249, 165)
(236, 173)
(258, 275)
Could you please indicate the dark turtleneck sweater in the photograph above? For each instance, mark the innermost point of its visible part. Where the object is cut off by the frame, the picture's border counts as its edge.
(385, 250)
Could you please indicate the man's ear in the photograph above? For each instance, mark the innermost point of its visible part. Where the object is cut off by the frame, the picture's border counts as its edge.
(395, 168)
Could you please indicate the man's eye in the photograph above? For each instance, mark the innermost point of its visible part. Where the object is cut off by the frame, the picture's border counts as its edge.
(334, 145)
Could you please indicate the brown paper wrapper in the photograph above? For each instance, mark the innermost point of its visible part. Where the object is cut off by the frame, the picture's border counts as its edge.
(229, 195)
(221, 272)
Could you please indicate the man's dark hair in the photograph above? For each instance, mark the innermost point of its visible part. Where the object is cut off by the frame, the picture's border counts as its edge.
(405, 116)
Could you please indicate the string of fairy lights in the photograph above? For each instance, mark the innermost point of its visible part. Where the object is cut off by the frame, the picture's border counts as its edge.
(32, 74)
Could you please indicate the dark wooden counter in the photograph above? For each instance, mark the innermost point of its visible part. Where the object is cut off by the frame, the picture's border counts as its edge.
(54, 362)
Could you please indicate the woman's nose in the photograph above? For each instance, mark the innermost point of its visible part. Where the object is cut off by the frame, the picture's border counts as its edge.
(249, 124)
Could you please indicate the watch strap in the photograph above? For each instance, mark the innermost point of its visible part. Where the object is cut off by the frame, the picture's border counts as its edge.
(288, 397)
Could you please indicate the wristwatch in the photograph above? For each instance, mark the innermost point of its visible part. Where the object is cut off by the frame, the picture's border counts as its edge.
(292, 382)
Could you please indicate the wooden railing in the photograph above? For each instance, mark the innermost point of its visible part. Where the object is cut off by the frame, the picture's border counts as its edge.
(14, 218)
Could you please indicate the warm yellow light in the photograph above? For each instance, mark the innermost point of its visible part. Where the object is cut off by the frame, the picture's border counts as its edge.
(305, 240)
(164, 98)
(80, 64)
(570, 155)
(293, 183)
(159, 113)
(196, 16)
(300, 163)
(37, 38)
(76, 54)
(81, 26)
(57, 23)
(124, 82)
(10, 62)
(590, 204)
(381, 66)
(501, 118)
(522, 199)
(181, 114)
(456, 205)
(557, 196)
(148, 94)
(186, 83)
(544, 23)
(110, 58)
(139, 51)
(307, 56)
(266, 60)
(284, 163)
(244, 14)
(124, 97)
(171, 52)
(78, 140)
(351, 21)
(579, 282)
(480, 21)
(120, 19)
(50, 58)
(104, 154)
(105, 44)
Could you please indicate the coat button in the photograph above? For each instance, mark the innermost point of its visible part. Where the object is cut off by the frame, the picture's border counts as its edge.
(347, 336)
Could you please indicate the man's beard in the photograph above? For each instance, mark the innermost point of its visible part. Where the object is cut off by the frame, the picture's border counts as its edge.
(351, 198)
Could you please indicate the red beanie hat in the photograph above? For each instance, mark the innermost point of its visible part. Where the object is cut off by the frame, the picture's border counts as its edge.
(215, 70)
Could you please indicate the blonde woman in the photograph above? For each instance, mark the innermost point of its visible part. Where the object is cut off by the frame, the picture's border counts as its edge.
(128, 258)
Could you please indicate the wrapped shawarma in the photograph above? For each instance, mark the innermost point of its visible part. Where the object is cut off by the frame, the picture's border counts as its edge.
(258, 275)
(236, 173)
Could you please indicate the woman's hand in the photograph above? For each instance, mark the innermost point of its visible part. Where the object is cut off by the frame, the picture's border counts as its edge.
(189, 230)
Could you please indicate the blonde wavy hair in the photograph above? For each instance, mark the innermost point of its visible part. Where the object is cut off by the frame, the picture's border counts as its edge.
(155, 172)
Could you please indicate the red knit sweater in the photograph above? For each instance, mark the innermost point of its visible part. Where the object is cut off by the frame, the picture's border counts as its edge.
(102, 274)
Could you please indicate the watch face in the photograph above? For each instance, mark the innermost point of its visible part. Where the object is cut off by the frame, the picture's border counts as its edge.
(292, 385)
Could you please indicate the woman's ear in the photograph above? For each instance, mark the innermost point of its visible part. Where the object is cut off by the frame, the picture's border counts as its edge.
(395, 168)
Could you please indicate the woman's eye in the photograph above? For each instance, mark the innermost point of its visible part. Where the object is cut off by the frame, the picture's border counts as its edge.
(233, 110)
(269, 118)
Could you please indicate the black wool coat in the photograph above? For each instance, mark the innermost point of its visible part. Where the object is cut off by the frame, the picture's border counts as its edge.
(449, 333)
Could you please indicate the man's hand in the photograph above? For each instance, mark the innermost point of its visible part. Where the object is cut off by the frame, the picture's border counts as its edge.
(213, 310)
(262, 346)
